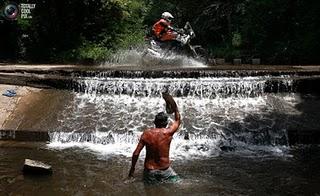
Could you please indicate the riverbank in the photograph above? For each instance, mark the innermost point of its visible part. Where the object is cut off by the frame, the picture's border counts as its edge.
(8, 105)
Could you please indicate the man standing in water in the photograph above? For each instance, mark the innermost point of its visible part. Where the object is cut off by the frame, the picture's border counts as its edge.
(157, 141)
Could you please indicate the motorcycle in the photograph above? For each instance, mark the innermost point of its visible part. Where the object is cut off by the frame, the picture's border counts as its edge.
(163, 52)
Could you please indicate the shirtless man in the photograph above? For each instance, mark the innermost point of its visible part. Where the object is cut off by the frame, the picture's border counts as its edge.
(157, 141)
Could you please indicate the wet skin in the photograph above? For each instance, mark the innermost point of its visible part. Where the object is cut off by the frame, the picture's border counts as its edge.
(157, 142)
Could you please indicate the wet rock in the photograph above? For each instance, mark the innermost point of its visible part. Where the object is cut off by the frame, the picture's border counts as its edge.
(203, 148)
(36, 167)
(130, 132)
(103, 129)
(227, 148)
(110, 139)
(186, 136)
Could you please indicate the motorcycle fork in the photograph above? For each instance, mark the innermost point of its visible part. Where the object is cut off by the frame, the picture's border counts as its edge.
(192, 51)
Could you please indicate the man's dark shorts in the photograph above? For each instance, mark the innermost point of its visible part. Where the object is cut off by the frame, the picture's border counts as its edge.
(160, 176)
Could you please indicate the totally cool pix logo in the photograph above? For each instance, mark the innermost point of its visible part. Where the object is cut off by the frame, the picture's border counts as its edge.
(12, 10)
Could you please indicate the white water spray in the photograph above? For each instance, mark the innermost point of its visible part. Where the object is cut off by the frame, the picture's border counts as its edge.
(134, 57)
(218, 115)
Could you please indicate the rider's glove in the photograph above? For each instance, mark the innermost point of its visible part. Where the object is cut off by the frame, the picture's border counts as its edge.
(180, 31)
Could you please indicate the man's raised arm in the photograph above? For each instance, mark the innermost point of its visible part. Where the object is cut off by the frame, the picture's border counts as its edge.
(172, 107)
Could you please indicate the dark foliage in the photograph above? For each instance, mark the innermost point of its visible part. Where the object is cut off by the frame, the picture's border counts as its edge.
(278, 32)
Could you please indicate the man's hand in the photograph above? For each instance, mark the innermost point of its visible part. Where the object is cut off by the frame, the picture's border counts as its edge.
(129, 180)
(171, 105)
(130, 177)
(180, 31)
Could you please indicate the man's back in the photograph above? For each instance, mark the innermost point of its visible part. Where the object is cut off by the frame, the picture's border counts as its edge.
(157, 141)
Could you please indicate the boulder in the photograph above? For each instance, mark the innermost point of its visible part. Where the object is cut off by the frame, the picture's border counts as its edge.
(36, 167)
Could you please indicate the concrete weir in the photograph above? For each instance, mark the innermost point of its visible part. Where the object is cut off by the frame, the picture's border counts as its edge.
(304, 80)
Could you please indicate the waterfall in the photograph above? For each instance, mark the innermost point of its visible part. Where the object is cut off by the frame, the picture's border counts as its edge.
(247, 114)
(186, 87)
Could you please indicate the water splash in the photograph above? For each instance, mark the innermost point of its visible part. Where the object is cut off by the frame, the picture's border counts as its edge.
(124, 144)
(125, 57)
(135, 57)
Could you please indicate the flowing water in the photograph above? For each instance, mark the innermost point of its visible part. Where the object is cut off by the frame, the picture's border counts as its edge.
(233, 139)
(216, 112)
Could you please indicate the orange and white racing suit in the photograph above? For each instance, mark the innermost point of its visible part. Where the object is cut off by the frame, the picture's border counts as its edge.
(161, 30)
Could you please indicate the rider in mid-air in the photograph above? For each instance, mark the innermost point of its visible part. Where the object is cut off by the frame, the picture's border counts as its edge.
(163, 32)
(165, 40)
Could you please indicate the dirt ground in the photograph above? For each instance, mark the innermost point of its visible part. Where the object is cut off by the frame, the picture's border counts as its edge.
(9, 104)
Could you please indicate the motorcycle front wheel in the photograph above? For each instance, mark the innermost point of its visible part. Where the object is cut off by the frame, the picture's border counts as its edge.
(200, 54)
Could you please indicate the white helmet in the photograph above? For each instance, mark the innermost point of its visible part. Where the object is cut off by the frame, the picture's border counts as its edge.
(167, 16)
